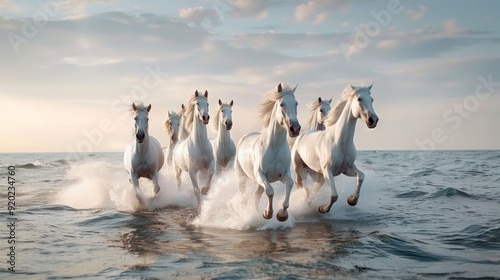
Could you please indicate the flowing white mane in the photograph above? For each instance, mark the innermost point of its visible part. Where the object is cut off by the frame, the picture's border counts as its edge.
(171, 115)
(348, 93)
(270, 98)
(191, 104)
(217, 115)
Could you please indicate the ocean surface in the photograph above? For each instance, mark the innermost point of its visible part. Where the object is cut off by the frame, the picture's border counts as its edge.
(421, 215)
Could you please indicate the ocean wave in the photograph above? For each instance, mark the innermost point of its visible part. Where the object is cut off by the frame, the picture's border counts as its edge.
(476, 236)
(409, 249)
(450, 192)
(411, 194)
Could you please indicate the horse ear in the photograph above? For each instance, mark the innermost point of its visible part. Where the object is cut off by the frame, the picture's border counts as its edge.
(133, 107)
(231, 103)
(206, 93)
(370, 87)
(220, 102)
(330, 101)
(319, 100)
(196, 93)
(295, 88)
(182, 106)
(149, 108)
(279, 87)
(352, 87)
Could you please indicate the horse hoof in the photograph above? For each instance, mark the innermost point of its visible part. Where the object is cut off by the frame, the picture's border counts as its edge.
(322, 210)
(352, 201)
(157, 189)
(267, 215)
(281, 217)
(204, 190)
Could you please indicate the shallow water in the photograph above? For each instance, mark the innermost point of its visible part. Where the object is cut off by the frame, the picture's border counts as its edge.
(420, 215)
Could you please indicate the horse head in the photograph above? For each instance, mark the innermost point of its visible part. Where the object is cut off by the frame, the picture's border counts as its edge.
(172, 126)
(201, 104)
(362, 105)
(287, 110)
(225, 113)
(141, 121)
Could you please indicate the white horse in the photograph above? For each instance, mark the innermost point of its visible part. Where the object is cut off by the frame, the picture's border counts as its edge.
(143, 156)
(184, 133)
(171, 125)
(195, 152)
(331, 152)
(320, 109)
(265, 157)
(223, 145)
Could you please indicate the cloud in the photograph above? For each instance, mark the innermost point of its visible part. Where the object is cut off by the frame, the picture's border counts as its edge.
(316, 11)
(248, 8)
(450, 28)
(388, 44)
(199, 15)
(416, 15)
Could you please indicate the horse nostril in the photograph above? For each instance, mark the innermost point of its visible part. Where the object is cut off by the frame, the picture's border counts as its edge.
(370, 120)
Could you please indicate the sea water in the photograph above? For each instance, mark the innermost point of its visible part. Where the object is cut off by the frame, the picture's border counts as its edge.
(420, 215)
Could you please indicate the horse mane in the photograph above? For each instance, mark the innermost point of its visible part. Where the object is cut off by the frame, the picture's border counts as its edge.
(313, 106)
(191, 104)
(171, 115)
(217, 114)
(334, 114)
(270, 98)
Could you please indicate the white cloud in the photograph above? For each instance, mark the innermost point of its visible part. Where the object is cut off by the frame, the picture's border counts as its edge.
(450, 28)
(416, 15)
(315, 11)
(388, 44)
(248, 8)
(199, 15)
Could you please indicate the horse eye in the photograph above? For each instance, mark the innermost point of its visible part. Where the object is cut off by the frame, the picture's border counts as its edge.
(359, 99)
(135, 118)
(281, 105)
(147, 119)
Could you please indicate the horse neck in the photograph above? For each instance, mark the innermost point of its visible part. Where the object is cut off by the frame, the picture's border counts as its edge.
(144, 146)
(223, 135)
(199, 132)
(345, 126)
(183, 133)
(317, 126)
(275, 134)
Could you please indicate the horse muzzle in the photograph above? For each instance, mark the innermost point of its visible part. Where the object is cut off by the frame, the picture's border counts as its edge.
(372, 121)
(294, 130)
(140, 137)
(228, 125)
(205, 119)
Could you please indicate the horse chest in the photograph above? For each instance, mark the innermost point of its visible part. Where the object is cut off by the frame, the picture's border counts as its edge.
(341, 162)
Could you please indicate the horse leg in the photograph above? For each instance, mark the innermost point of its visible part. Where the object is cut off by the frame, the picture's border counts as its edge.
(282, 214)
(258, 196)
(329, 176)
(155, 183)
(351, 172)
(135, 182)
(196, 189)
(318, 182)
(178, 173)
(262, 180)
(298, 166)
(211, 172)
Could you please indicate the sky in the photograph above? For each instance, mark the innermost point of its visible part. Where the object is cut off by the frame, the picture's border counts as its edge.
(69, 70)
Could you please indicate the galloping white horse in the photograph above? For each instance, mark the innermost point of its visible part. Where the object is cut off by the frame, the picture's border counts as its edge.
(143, 156)
(184, 133)
(331, 152)
(195, 152)
(171, 125)
(265, 156)
(223, 145)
